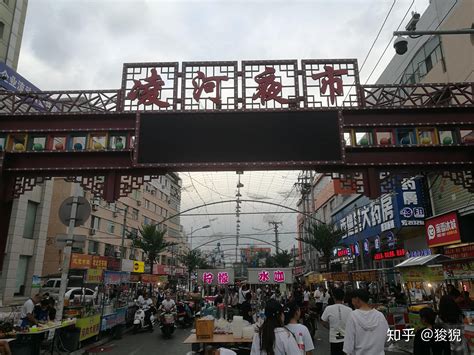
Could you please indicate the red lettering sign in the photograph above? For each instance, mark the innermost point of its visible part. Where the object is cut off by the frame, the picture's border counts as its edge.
(208, 84)
(464, 252)
(268, 88)
(390, 254)
(332, 80)
(342, 252)
(443, 230)
(149, 93)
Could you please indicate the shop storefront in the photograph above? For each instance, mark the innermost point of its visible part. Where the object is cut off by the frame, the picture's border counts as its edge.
(379, 233)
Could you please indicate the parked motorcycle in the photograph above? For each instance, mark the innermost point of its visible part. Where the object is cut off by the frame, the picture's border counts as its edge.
(167, 320)
(139, 322)
(185, 315)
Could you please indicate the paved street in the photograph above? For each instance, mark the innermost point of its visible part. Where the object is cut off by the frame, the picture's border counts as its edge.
(148, 343)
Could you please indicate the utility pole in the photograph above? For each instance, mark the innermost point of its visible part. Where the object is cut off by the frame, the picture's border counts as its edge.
(275, 228)
(304, 185)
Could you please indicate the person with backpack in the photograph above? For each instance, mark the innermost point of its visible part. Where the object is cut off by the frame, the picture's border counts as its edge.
(272, 338)
(335, 317)
(299, 331)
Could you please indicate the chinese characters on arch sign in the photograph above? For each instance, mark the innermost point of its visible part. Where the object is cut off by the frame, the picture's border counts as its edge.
(270, 276)
(221, 277)
(229, 85)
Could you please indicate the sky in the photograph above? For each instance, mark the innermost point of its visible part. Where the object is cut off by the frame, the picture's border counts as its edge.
(82, 44)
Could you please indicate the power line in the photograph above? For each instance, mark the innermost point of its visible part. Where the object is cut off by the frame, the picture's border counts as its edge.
(378, 34)
(388, 45)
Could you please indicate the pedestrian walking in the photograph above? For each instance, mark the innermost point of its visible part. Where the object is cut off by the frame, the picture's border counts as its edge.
(429, 346)
(450, 317)
(299, 331)
(272, 338)
(335, 317)
(366, 328)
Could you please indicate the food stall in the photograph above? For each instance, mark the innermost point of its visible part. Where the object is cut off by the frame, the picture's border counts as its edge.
(423, 280)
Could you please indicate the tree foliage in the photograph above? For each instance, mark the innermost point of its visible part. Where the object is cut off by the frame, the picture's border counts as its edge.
(152, 241)
(324, 238)
(280, 259)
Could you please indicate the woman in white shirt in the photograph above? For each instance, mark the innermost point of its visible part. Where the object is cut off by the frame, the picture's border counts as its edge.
(272, 338)
(325, 298)
(300, 331)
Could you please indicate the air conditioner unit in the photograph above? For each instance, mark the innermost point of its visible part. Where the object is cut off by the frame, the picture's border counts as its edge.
(92, 231)
(139, 203)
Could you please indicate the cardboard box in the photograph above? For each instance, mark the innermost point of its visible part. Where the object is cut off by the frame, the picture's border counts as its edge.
(204, 329)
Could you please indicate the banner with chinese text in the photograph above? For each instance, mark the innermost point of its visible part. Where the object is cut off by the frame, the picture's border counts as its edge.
(89, 327)
(270, 276)
(80, 261)
(422, 273)
(443, 230)
(215, 277)
(94, 276)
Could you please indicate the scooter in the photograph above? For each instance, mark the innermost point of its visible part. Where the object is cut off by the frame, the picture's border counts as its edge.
(167, 326)
(185, 316)
(139, 320)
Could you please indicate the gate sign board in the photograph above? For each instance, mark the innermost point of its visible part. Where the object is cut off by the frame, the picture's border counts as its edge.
(221, 277)
(443, 230)
(223, 139)
(270, 276)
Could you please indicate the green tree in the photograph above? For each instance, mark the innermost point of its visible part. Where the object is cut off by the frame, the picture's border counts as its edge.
(152, 241)
(280, 259)
(324, 238)
(193, 260)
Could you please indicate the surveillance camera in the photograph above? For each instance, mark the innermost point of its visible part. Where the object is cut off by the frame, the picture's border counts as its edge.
(401, 45)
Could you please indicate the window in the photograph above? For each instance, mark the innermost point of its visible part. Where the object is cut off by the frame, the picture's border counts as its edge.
(147, 204)
(146, 220)
(165, 212)
(423, 61)
(135, 214)
(111, 227)
(21, 272)
(109, 250)
(95, 223)
(93, 247)
(137, 194)
(133, 232)
(2, 28)
(30, 221)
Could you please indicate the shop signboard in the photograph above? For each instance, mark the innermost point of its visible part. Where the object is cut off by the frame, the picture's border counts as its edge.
(111, 320)
(422, 273)
(390, 254)
(138, 266)
(270, 276)
(466, 251)
(134, 278)
(459, 269)
(443, 230)
(340, 276)
(127, 265)
(149, 279)
(89, 327)
(113, 263)
(369, 275)
(215, 276)
(297, 271)
(159, 269)
(99, 262)
(80, 261)
(94, 276)
(365, 218)
(116, 277)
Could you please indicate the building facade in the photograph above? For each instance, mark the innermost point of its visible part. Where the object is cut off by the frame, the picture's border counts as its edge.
(156, 201)
(12, 22)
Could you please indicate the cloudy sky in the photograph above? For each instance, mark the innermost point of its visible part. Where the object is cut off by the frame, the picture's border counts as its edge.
(82, 44)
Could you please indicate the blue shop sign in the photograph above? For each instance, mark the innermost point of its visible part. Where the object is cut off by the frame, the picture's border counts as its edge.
(368, 218)
(12, 81)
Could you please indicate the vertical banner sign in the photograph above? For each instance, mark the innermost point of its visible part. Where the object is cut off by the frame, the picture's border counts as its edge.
(94, 276)
(443, 230)
(89, 327)
(220, 277)
(270, 276)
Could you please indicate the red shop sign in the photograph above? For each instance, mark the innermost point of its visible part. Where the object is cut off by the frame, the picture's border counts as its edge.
(342, 252)
(443, 230)
(390, 254)
(463, 252)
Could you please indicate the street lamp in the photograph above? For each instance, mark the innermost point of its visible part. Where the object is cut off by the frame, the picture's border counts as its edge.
(195, 230)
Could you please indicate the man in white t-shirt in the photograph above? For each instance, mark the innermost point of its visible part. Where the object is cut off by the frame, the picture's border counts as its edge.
(366, 328)
(27, 318)
(334, 317)
(243, 290)
(168, 305)
(318, 300)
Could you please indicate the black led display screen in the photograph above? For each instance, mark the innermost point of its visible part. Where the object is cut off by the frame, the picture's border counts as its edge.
(239, 137)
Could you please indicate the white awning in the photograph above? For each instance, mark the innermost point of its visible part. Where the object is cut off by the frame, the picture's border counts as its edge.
(423, 260)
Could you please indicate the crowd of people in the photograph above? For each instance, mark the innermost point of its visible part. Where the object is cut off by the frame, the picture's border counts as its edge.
(355, 326)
